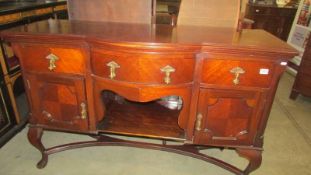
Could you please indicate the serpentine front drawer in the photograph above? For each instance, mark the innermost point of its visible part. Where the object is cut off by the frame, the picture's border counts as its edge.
(238, 72)
(52, 58)
(143, 67)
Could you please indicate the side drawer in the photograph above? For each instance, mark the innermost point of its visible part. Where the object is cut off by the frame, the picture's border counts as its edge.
(238, 72)
(52, 58)
(143, 67)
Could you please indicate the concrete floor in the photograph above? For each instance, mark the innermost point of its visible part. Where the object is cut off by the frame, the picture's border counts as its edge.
(287, 150)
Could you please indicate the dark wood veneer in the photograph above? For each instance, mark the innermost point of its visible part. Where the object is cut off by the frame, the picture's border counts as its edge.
(273, 18)
(302, 84)
(225, 79)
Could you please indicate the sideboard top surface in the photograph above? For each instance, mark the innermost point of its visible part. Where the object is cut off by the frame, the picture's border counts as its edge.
(151, 35)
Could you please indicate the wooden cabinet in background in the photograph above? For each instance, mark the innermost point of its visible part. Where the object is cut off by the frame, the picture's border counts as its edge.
(302, 84)
(276, 20)
(7, 117)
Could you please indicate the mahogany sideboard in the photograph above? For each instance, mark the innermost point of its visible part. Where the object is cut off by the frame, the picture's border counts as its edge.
(203, 87)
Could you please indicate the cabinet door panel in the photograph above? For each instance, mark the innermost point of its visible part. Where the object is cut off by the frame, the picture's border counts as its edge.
(58, 101)
(228, 116)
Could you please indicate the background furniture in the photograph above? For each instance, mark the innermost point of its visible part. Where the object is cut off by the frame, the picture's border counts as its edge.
(302, 83)
(13, 13)
(167, 11)
(7, 117)
(220, 13)
(119, 81)
(128, 11)
(277, 20)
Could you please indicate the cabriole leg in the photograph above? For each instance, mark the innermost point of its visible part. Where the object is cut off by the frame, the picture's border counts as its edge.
(254, 157)
(34, 137)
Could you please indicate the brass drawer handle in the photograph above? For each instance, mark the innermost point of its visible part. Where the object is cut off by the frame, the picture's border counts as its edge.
(113, 66)
(83, 111)
(167, 70)
(198, 122)
(52, 61)
(237, 71)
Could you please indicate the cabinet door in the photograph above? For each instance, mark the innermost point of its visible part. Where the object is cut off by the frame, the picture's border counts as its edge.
(58, 101)
(227, 116)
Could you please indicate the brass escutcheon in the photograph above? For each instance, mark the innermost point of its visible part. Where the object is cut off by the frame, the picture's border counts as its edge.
(198, 122)
(167, 70)
(113, 65)
(52, 61)
(83, 111)
(237, 71)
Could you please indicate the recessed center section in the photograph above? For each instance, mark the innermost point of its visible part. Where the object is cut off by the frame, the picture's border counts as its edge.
(156, 119)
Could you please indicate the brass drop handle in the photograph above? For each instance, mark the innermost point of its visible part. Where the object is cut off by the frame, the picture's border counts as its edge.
(52, 61)
(167, 70)
(83, 111)
(198, 122)
(237, 71)
(113, 66)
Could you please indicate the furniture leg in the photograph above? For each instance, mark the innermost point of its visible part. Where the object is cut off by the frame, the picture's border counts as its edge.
(254, 157)
(34, 137)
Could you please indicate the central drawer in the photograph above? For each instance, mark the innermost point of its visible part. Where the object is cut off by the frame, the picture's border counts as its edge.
(143, 67)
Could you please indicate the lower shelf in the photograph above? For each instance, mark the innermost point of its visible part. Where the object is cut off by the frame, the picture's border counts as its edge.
(142, 119)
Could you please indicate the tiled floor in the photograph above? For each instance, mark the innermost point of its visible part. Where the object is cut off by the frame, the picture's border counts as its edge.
(287, 150)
